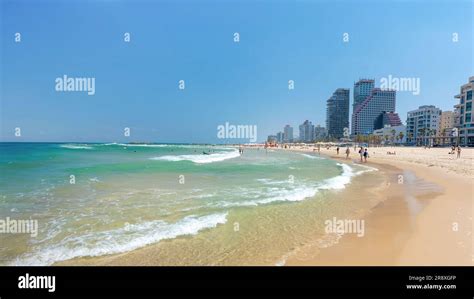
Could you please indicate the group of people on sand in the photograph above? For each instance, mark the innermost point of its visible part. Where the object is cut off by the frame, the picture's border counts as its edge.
(364, 154)
(454, 150)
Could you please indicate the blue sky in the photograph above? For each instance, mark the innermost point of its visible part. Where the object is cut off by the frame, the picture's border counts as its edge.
(240, 83)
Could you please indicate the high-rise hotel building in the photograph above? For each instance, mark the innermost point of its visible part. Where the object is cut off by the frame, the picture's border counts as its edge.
(466, 120)
(367, 111)
(337, 113)
(362, 90)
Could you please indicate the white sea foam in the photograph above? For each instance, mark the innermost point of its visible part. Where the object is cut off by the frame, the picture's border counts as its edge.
(272, 182)
(145, 145)
(295, 191)
(120, 240)
(367, 169)
(201, 159)
(76, 146)
(299, 193)
(312, 157)
(340, 181)
(134, 144)
(296, 194)
(153, 145)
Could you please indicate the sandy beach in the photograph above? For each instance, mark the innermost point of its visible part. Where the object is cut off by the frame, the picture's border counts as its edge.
(441, 233)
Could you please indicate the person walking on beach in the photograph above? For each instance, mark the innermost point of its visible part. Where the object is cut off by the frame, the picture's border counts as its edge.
(459, 152)
(361, 153)
(337, 150)
(366, 154)
(347, 152)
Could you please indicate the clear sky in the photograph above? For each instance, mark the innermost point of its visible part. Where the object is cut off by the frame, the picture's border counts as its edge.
(246, 83)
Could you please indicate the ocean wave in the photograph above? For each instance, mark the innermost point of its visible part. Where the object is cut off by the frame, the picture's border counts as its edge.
(133, 144)
(145, 145)
(340, 181)
(154, 145)
(299, 193)
(120, 240)
(272, 182)
(201, 159)
(76, 146)
(312, 157)
(296, 191)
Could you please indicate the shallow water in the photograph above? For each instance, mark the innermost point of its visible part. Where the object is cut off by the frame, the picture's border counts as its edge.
(218, 208)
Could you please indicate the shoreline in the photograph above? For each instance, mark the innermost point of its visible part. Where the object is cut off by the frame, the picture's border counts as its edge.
(393, 237)
(442, 230)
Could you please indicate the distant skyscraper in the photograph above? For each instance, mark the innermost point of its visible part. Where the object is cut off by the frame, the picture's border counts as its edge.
(422, 123)
(387, 119)
(367, 111)
(337, 113)
(306, 131)
(288, 134)
(280, 137)
(466, 121)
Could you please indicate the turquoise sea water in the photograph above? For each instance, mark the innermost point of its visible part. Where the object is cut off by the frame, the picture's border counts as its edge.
(126, 196)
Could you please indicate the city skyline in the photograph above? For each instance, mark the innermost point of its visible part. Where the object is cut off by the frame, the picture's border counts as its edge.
(423, 124)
